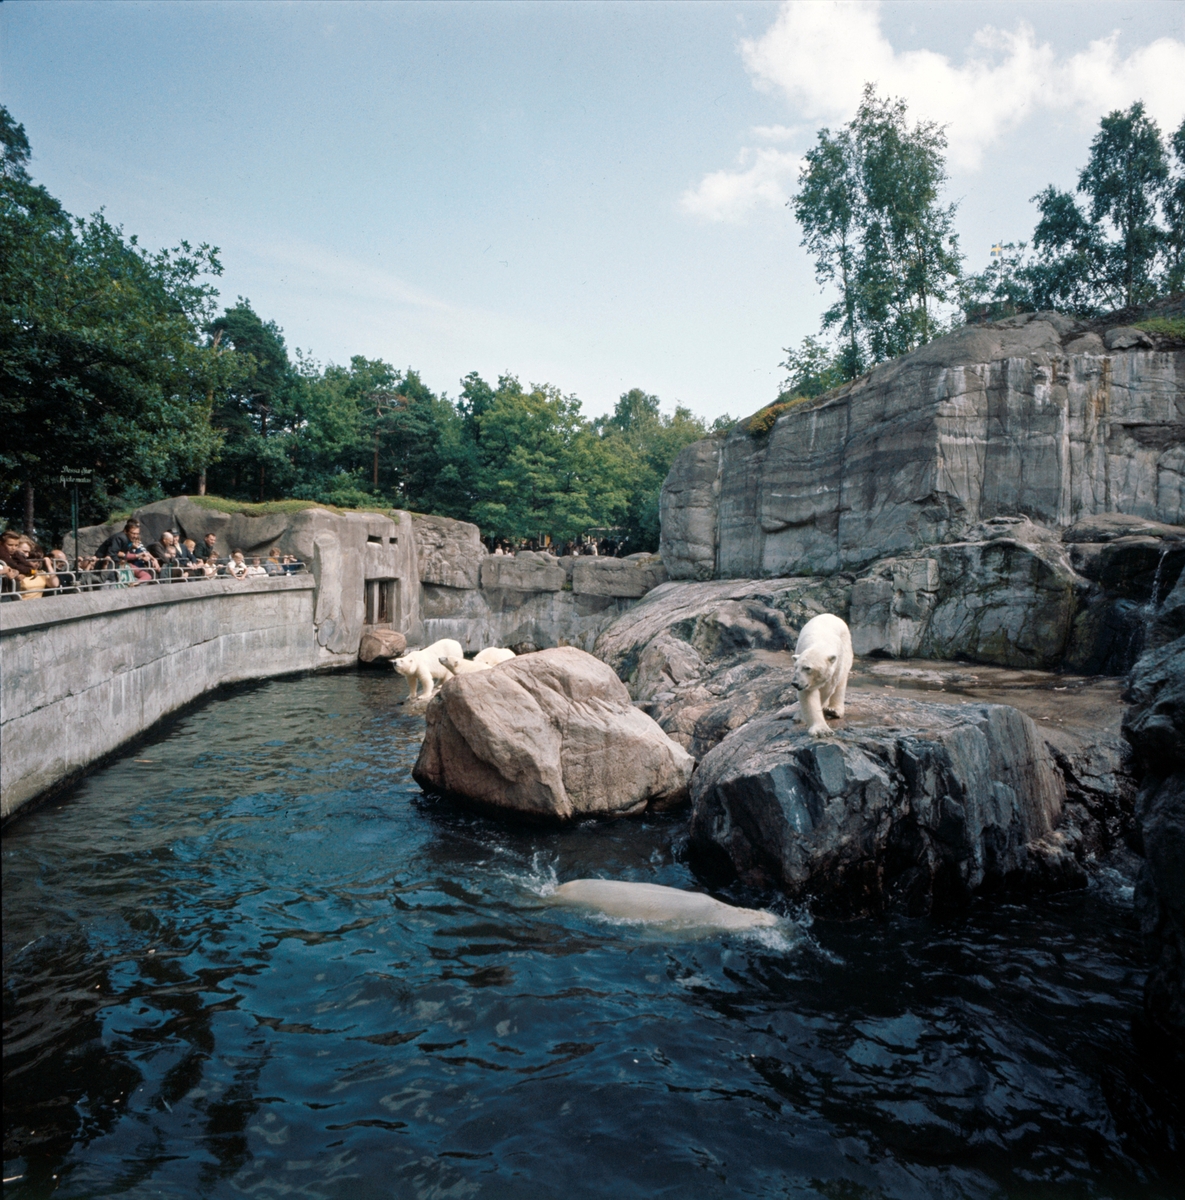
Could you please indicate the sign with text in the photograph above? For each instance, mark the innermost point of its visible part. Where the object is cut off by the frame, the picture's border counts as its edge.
(75, 476)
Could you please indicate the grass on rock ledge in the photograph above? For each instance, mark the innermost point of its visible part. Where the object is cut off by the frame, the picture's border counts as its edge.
(247, 508)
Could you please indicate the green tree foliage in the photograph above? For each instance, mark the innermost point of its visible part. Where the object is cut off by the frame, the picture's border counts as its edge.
(869, 206)
(102, 360)
(1121, 246)
(259, 413)
(639, 442)
(812, 369)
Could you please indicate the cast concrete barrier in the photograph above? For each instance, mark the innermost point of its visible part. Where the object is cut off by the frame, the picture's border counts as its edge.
(81, 675)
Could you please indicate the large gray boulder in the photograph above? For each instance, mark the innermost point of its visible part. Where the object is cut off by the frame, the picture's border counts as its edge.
(450, 552)
(721, 617)
(1155, 726)
(1016, 593)
(1033, 415)
(624, 577)
(1006, 595)
(526, 571)
(912, 805)
(549, 736)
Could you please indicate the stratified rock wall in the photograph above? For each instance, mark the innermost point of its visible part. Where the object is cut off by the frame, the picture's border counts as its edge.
(1032, 416)
(527, 601)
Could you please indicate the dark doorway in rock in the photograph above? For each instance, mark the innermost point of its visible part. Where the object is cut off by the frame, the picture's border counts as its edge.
(383, 602)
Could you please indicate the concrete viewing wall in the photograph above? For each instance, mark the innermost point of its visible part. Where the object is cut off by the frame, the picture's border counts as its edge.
(81, 675)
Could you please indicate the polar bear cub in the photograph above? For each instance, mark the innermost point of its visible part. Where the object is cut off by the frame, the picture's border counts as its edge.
(463, 666)
(493, 655)
(424, 668)
(822, 662)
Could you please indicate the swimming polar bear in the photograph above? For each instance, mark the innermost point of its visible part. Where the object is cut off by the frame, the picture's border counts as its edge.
(423, 667)
(463, 666)
(493, 655)
(822, 663)
(651, 902)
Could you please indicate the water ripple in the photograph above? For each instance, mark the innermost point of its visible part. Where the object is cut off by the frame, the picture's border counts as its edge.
(268, 964)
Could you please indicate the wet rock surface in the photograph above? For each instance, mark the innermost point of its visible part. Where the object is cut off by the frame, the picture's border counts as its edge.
(911, 805)
(710, 662)
(1155, 726)
(549, 736)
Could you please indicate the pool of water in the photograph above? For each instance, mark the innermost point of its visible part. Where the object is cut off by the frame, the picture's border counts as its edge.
(252, 957)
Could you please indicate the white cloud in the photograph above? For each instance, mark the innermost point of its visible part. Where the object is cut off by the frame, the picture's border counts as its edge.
(762, 179)
(818, 57)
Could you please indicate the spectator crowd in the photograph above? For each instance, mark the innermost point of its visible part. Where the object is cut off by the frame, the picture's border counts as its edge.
(28, 572)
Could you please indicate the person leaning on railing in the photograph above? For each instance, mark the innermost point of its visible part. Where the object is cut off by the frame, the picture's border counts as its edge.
(25, 566)
(19, 570)
(127, 550)
(188, 560)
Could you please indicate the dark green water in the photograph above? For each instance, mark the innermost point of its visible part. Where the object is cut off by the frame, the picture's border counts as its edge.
(262, 962)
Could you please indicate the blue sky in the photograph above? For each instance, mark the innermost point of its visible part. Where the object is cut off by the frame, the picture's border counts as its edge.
(590, 195)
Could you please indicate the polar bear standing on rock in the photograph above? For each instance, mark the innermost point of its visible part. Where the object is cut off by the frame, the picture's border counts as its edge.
(822, 662)
(424, 668)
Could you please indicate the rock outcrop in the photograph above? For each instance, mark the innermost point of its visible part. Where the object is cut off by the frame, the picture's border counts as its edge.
(1019, 594)
(450, 552)
(913, 805)
(347, 552)
(527, 601)
(1038, 416)
(381, 644)
(549, 736)
(709, 659)
(1155, 726)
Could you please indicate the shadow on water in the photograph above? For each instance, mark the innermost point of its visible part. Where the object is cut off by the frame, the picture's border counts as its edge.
(250, 956)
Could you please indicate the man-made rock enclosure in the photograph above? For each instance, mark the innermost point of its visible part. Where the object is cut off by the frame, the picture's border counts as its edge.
(1010, 496)
(1011, 493)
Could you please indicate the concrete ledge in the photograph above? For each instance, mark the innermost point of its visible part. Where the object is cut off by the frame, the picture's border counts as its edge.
(82, 675)
(19, 615)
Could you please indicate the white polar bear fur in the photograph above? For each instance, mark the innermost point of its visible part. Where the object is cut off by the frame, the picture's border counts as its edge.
(462, 666)
(493, 655)
(663, 905)
(423, 667)
(822, 663)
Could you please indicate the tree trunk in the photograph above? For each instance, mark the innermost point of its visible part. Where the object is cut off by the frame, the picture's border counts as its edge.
(30, 529)
(202, 482)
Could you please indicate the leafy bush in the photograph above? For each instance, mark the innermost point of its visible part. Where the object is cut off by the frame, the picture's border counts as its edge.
(760, 424)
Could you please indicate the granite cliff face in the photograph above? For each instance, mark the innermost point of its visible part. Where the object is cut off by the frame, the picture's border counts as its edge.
(1009, 494)
(1038, 416)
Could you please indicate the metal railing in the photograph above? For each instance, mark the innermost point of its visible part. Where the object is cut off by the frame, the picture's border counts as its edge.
(109, 575)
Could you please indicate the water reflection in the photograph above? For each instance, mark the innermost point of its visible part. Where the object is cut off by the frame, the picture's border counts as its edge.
(263, 961)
